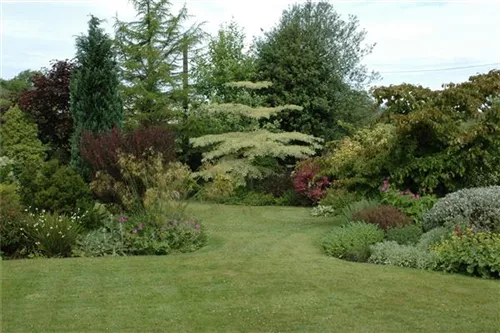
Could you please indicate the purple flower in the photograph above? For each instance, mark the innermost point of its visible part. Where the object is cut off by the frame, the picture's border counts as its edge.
(197, 226)
(405, 192)
(123, 219)
(140, 226)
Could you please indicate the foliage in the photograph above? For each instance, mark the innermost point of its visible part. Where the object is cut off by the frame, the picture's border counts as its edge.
(96, 217)
(53, 187)
(220, 189)
(449, 140)
(7, 170)
(358, 162)
(149, 49)
(239, 153)
(313, 57)
(100, 242)
(101, 151)
(384, 216)
(96, 104)
(352, 241)
(156, 233)
(48, 104)
(144, 182)
(54, 235)
(338, 198)
(394, 254)
(411, 204)
(323, 211)
(434, 236)
(306, 181)
(224, 61)
(405, 235)
(10, 90)
(348, 212)
(470, 253)
(19, 138)
(253, 198)
(12, 219)
(479, 207)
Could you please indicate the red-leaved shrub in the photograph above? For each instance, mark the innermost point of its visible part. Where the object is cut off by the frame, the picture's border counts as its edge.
(100, 151)
(306, 182)
(385, 216)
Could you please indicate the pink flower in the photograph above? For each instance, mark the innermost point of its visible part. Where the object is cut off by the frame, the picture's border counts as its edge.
(140, 226)
(385, 186)
(197, 226)
(405, 192)
(416, 196)
(123, 219)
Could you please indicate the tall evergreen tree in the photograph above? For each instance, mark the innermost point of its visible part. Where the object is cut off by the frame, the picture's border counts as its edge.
(313, 58)
(225, 60)
(150, 50)
(96, 105)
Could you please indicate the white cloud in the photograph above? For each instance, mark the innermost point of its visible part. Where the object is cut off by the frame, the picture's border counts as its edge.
(409, 35)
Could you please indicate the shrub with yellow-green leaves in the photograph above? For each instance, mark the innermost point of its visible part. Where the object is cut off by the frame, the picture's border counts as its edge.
(359, 161)
(470, 253)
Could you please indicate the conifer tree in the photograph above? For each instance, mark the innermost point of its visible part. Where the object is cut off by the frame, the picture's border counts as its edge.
(150, 51)
(19, 140)
(96, 105)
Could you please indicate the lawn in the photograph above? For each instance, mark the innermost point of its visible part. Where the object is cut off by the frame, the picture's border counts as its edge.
(263, 270)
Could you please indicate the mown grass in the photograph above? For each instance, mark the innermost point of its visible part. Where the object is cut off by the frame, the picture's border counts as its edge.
(262, 271)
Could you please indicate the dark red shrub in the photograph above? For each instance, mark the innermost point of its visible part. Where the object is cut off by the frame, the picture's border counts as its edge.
(100, 151)
(385, 216)
(306, 182)
(48, 104)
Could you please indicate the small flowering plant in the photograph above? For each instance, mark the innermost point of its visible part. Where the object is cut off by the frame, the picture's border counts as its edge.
(53, 235)
(411, 204)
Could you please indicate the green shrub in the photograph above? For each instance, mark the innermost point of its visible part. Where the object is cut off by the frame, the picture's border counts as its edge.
(338, 198)
(101, 242)
(384, 216)
(258, 199)
(432, 237)
(406, 235)
(53, 235)
(323, 211)
(96, 217)
(20, 138)
(221, 189)
(352, 241)
(411, 204)
(7, 170)
(470, 253)
(347, 213)
(12, 220)
(394, 254)
(54, 188)
(480, 207)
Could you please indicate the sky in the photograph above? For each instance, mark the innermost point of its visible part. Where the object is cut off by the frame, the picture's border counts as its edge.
(425, 42)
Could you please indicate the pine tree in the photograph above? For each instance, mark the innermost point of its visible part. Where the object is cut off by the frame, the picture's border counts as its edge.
(150, 50)
(19, 140)
(252, 155)
(96, 105)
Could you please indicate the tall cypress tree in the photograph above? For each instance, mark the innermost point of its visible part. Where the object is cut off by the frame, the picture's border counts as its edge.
(96, 104)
